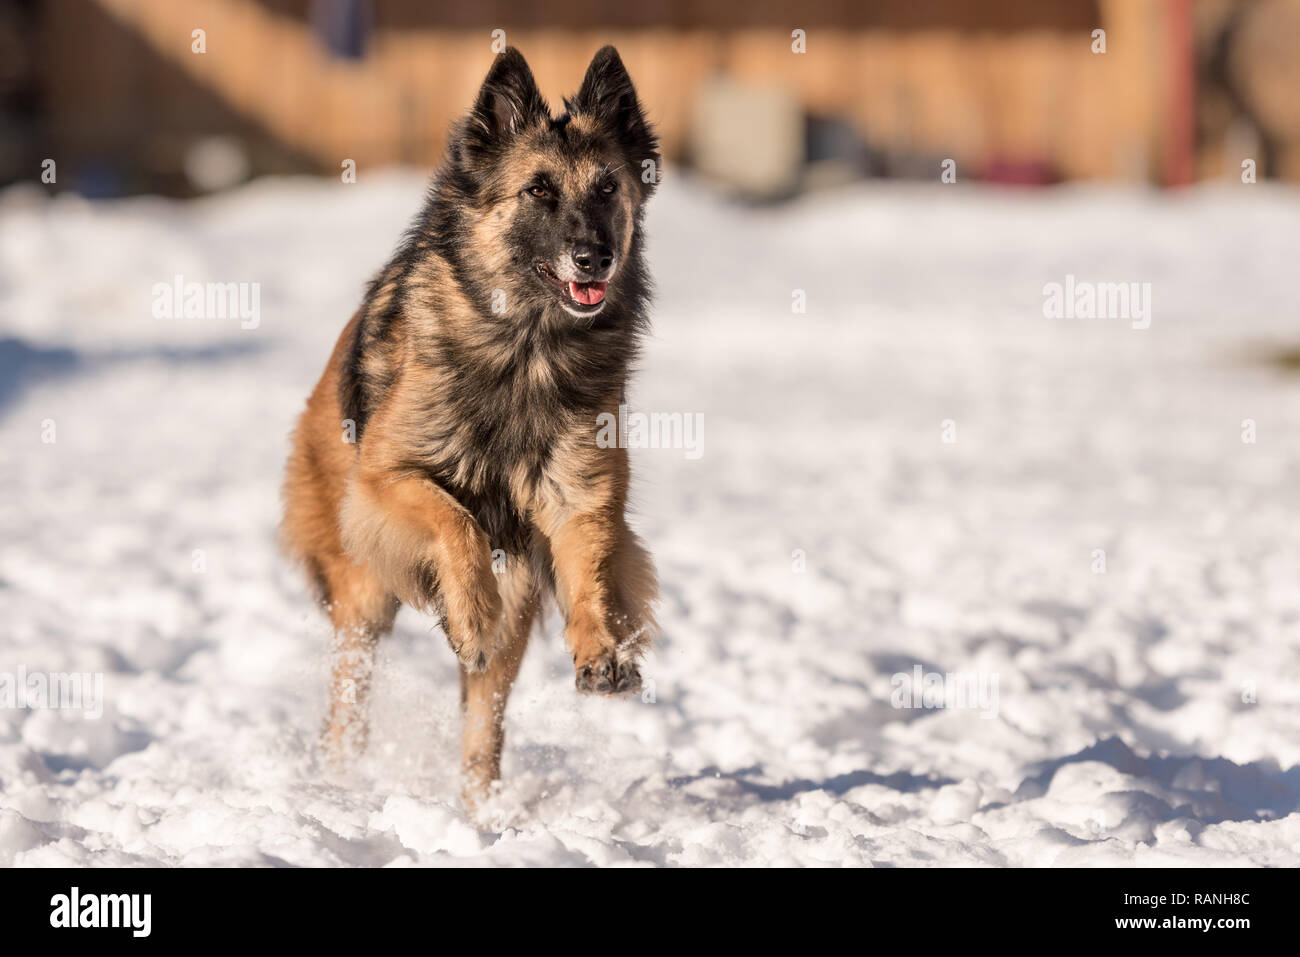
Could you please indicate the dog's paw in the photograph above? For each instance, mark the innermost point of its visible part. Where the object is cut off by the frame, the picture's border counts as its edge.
(606, 674)
(470, 611)
(474, 654)
(473, 640)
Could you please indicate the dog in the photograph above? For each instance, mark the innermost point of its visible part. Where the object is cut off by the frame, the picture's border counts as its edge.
(448, 457)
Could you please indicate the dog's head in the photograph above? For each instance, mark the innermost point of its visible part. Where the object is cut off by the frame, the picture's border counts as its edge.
(556, 201)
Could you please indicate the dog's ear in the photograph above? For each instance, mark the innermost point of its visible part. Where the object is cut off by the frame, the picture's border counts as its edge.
(608, 96)
(508, 102)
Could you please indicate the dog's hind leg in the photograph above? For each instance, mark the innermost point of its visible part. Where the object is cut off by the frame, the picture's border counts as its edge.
(362, 612)
(483, 693)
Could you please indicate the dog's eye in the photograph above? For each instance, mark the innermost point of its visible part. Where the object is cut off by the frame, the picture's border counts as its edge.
(609, 187)
(539, 192)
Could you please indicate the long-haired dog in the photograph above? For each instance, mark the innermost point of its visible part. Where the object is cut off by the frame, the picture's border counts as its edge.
(448, 457)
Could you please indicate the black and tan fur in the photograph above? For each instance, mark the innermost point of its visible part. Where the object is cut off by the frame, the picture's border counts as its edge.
(473, 378)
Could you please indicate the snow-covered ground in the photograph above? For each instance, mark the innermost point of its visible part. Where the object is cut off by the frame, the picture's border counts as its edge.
(827, 539)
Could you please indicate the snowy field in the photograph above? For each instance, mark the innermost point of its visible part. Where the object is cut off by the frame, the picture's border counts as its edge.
(828, 539)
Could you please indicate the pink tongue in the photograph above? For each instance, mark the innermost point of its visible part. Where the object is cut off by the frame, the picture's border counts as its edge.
(587, 293)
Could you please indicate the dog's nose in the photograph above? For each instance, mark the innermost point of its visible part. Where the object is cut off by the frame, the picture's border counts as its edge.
(593, 258)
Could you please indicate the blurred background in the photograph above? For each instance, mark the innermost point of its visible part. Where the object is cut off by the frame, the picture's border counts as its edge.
(765, 98)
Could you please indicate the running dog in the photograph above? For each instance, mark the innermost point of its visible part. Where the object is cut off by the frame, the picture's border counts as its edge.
(448, 457)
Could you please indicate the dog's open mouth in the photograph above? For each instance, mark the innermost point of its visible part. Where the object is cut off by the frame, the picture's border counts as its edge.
(578, 296)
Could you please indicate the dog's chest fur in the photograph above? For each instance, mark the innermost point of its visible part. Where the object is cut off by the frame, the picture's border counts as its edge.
(501, 432)
(496, 417)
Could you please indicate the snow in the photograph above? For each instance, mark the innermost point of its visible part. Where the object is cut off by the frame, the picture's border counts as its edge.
(826, 540)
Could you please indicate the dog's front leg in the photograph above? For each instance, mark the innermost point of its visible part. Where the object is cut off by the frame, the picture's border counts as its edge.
(428, 551)
(605, 585)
